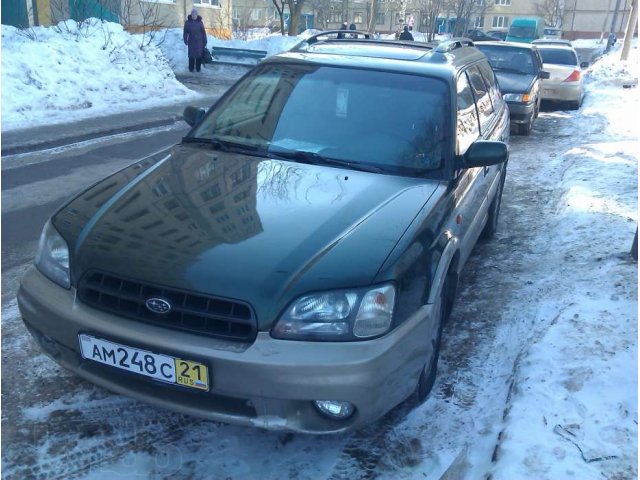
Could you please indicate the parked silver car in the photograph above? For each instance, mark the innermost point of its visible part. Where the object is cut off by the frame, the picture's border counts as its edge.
(565, 81)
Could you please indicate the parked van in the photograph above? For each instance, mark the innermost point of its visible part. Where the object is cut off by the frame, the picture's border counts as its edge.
(525, 30)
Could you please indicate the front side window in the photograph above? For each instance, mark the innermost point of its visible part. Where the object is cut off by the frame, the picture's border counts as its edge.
(392, 121)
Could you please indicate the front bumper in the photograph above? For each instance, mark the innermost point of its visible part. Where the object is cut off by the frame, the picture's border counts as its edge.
(269, 383)
(521, 112)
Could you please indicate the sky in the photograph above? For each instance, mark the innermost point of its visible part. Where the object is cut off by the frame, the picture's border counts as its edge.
(569, 383)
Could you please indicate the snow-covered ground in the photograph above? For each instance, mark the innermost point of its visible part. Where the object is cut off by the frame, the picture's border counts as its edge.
(541, 383)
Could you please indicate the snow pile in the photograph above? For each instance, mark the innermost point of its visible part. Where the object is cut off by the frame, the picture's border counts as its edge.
(573, 407)
(611, 67)
(70, 71)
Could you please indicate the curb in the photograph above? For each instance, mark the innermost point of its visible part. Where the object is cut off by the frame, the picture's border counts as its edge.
(69, 139)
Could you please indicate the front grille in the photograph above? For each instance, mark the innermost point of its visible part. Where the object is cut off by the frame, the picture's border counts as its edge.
(216, 317)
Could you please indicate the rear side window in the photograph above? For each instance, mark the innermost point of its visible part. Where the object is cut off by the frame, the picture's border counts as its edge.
(481, 94)
(559, 56)
(468, 129)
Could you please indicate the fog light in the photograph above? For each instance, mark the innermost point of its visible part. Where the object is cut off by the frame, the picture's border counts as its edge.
(335, 409)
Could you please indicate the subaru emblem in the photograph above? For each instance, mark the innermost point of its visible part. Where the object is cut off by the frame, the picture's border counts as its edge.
(158, 305)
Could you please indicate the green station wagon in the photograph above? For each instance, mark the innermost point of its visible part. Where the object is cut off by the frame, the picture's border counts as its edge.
(290, 264)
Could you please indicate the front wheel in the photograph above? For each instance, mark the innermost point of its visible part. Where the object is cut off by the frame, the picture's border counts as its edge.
(491, 227)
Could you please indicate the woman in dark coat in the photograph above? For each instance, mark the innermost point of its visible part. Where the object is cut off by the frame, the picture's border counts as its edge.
(195, 37)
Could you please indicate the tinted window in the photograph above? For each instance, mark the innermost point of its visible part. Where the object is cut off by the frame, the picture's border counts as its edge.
(522, 32)
(510, 59)
(467, 125)
(558, 56)
(481, 94)
(385, 119)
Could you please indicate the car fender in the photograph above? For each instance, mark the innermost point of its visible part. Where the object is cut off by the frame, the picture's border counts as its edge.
(446, 259)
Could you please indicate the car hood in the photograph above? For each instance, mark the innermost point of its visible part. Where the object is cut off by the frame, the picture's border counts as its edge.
(515, 82)
(259, 230)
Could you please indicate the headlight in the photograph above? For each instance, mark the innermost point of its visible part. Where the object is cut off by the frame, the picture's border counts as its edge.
(339, 315)
(52, 258)
(517, 97)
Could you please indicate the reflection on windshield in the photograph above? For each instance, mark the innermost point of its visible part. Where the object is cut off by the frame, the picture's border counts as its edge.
(388, 120)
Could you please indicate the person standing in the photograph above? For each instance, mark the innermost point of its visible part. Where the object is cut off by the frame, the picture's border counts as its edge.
(195, 38)
(342, 27)
(353, 27)
(406, 34)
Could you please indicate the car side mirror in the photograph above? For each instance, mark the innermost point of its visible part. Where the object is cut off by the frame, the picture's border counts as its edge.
(544, 74)
(584, 64)
(483, 153)
(193, 115)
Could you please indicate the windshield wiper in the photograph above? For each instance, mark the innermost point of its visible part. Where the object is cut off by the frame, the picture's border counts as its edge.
(314, 158)
(227, 146)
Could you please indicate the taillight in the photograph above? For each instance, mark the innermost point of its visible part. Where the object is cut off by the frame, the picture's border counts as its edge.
(574, 77)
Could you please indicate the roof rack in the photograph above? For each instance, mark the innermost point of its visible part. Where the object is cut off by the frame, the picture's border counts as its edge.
(453, 44)
(348, 35)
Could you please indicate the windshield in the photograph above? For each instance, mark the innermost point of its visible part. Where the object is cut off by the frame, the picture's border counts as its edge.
(559, 56)
(391, 121)
(522, 32)
(509, 59)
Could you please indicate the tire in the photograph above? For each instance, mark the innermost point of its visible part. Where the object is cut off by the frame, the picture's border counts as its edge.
(428, 375)
(491, 227)
(525, 128)
(575, 105)
(536, 111)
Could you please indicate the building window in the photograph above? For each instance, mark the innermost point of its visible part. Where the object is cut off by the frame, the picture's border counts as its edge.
(479, 22)
(357, 17)
(380, 18)
(335, 17)
(236, 13)
(480, 3)
(500, 22)
(256, 14)
(206, 2)
(504, 3)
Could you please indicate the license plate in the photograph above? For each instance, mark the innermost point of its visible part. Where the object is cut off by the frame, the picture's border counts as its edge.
(548, 91)
(161, 367)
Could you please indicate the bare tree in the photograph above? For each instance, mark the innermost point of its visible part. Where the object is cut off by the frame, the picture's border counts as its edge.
(430, 9)
(145, 18)
(465, 11)
(280, 4)
(322, 10)
(295, 10)
(552, 11)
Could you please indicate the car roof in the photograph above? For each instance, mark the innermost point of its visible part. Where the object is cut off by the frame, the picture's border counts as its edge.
(442, 59)
(525, 46)
(551, 41)
(558, 46)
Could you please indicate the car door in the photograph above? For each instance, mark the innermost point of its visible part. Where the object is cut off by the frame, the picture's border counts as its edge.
(474, 112)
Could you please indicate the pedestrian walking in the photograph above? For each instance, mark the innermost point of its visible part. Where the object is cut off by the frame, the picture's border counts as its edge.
(195, 38)
(406, 34)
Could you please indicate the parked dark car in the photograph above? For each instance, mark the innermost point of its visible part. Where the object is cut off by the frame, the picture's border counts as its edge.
(290, 264)
(478, 35)
(501, 34)
(518, 67)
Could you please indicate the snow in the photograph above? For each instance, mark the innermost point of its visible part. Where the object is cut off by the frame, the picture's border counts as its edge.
(570, 403)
